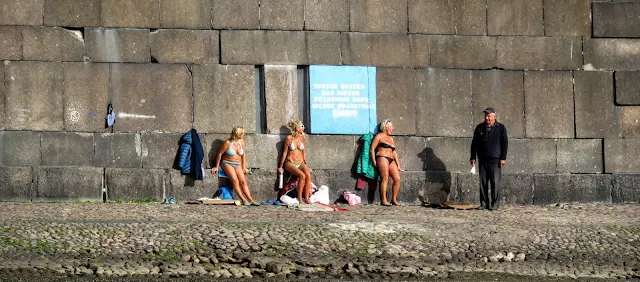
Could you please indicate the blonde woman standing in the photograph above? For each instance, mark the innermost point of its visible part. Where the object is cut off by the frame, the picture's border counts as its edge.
(385, 158)
(232, 158)
(294, 159)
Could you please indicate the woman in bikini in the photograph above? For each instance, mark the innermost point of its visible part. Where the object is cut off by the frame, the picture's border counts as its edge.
(294, 160)
(234, 164)
(385, 158)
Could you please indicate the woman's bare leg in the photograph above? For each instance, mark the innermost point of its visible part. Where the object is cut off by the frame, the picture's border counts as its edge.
(231, 174)
(301, 178)
(383, 168)
(395, 176)
(307, 183)
(244, 186)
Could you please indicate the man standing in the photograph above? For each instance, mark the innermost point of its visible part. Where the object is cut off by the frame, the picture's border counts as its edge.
(490, 145)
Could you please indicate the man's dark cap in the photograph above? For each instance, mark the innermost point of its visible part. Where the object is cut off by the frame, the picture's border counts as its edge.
(489, 111)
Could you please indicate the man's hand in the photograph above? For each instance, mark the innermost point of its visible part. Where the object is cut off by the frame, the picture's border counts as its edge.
(473, 162)
(502, 163)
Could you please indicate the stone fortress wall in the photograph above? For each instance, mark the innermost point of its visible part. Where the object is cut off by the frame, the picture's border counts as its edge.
(564, 76)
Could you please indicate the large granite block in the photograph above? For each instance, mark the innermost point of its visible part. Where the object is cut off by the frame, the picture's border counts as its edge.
(66, 149)
(467, 189)
(323, 48)
(330, 151)
(463, 52)
(327, 15)
(262, 185)
(439, 186)
(281, 96)
(370, 49)
(123, 150)
(152, 97)
(263, 151)
(462, 17)
(185, 46)
(125, 13)
(612, 54)
(625, 188)
(616, 19)
(416, 183)
(419, 45)
(257, 47)
(531, 156)
(213, 144)
(33, 96)
(22, 148)
(446, 154)
(566, 188)
(543, 53)
(213, 105)
(185, 188)
(444, 91)
(517, 189)
(71, 13)
(597, 115)
(190, 14)
(21, 12)
(503, 91)
(411, 153)
(86, 96)
(630, 121)
(580, 156)
(68, 183)
(135, 184)
(118, 45)
(2, 97)
(549, 104)
(567, 17)
(10, 43)
(339, 181)
(396, 98)
(160, 150)
(282, 14)
(52, 44)
(15, 183)
(620, 155)
(627, 87)
(515, 17)
(378, 15)
(236, 14)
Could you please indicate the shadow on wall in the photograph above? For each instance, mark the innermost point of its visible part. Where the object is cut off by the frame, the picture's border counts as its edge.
(211, 159)
(437, 184)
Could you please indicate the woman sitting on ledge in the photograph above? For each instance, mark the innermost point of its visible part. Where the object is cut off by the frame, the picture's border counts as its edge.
(294, 160)
(385, 158)
(234, 164)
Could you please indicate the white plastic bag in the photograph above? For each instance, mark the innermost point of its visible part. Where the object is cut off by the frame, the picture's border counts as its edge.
(288, 200)
(321, 195)
(473, 169)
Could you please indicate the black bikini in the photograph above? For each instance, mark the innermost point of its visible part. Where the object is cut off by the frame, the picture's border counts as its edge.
(386, 146)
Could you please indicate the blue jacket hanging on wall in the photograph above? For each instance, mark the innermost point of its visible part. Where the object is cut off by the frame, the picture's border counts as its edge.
(190, 155)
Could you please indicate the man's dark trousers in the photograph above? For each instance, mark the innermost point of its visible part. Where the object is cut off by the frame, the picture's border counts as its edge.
(490, 174)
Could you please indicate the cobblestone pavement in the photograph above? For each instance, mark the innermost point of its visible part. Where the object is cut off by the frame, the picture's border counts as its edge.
(408, 242)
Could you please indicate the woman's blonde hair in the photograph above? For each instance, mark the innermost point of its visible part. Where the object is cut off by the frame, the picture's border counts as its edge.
(236, 132)
(384, 124)
(294, 125)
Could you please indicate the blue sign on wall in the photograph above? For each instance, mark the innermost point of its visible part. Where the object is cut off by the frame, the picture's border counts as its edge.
(342, 99)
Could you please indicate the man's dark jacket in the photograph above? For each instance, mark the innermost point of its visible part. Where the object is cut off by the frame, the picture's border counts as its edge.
(489, 145)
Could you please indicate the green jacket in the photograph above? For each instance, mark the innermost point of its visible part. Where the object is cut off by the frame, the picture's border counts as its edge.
(365, 166)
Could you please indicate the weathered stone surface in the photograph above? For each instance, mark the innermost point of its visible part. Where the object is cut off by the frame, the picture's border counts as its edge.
(330, 151)
(544, 53)
(123, 150)
(184, 188)
(33, 96)
(612, 54)
(185, 46)
(52, 44)
(281, 96)
(213, 105)
(66, 149)
(262, 185)
(20, 148)
(327, 15)
(419, 45)
(616, 19)
(463, 52)
(444, 91)
(596, 113)
(625, 188)
(21, 12)
(236, 14)
(531, 156)
(628, 87)
(160, 150)
(517, 189)
(323, 48)
(258, 47)
(567, 17)
(515, 17)
(439, 186)
(152, 97)
(71, 13)
(468, 188)
(212, 144)
(68, 183)
(396, 98)
(620, 155)
(339, 181)
(370, 49)
(10, 43)
(86, 96)
(264, 151)
(148, 183)
(549, 104)
(630, 121)
(191, 14)
(406, 148)
(462, 17)
(118, 45)
(2, 97)
(378, 16)
(125, 13)
(504, 91)
(414, 183)
(446, 154)
(282, 14)
(580, 155)
(15, 183)
(563, 188)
